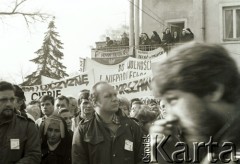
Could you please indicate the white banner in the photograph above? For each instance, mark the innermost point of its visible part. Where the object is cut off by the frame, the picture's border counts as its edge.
(126, 70)
(70, 86)
(149, 54)
(134, 88)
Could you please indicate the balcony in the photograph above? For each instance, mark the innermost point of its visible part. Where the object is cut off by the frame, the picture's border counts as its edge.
(102, 51)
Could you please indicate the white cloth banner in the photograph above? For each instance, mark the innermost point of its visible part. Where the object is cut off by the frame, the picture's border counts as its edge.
(134, 88)
(126, 70)
(68, 87)
(149, 54)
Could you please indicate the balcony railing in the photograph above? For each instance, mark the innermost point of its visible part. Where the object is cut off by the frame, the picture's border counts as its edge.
(117, 49)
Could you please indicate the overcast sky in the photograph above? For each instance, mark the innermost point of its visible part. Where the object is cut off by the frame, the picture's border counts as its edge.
(79, 22)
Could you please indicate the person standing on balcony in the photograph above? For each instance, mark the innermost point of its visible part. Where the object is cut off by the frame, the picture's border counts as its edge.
(187, 35)
(109, 42)
(155, 38)
(124, 40)
(144, 42)
(175, 37)
(144, 39)
(167, 36)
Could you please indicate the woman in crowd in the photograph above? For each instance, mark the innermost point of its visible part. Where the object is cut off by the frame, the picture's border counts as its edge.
(145, 117)
(56, 142)
(155, 38)
(124, 105)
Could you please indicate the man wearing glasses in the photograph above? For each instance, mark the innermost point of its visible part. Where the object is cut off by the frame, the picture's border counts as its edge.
(19, 140)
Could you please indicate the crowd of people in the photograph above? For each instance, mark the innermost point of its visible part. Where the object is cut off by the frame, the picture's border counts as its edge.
(198, 86)
(168, 37)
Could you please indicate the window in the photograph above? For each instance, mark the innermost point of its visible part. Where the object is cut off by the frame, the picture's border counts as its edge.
(231, 16)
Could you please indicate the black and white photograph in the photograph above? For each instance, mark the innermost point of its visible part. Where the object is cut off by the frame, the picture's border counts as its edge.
(119, 81)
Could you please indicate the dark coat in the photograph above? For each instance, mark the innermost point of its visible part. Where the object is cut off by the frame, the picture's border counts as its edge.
(124, 41)
(155, 39)
(62, 154)
(26, 133)
(167, 38)
(187, 37)
(93, 144)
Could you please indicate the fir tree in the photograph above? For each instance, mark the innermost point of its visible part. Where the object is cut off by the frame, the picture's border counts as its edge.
(48, 58)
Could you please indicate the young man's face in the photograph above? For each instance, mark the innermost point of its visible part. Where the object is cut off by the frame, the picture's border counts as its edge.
(135, 107)
(194, 117)
(86, 107)
(68, 119)
(7, 102)
(73, 106)
(61, 104)
(47, 107)
(107, 98)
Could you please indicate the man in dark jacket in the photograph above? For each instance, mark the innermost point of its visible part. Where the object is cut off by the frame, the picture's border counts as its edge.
(19, 140)
(200, 84)
(109, 137)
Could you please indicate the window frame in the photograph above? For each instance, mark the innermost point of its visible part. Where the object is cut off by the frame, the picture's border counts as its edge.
(223, 8)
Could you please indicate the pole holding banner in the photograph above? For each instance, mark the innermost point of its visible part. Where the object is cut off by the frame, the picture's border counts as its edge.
(82, 64)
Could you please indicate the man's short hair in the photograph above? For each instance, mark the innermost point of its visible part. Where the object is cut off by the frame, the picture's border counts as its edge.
(198, 68)
(62, 97)
(83, 94)
(4, 85)
(136, 101)
(94, 93)
(47, 97)
(124, 100)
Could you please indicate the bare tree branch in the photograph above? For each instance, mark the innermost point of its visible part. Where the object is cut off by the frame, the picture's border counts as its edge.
(29, 17)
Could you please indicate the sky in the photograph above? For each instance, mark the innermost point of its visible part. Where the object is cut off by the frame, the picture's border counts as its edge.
(80, 24)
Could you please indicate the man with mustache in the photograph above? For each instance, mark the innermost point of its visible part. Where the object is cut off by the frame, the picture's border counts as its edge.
(109, 136)
(19, 140)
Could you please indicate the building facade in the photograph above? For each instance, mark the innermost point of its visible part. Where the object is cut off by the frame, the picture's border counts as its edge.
(212, 21)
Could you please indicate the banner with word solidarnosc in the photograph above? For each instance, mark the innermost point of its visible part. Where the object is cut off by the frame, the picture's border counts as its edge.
(68, 87)
(126, 70)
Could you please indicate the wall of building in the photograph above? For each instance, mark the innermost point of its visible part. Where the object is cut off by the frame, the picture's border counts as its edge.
(163, 11)
(191, 11)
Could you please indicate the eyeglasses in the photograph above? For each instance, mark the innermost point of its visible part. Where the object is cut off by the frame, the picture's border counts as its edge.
(5, 100)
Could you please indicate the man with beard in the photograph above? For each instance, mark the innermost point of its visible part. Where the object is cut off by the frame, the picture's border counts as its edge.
(109, 136)
(19, 140)
(200, 84)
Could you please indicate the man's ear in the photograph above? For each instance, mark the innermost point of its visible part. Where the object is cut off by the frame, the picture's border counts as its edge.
(217, 94)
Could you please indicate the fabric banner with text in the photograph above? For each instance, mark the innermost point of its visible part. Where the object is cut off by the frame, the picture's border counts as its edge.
(68, 87)
(149, 54)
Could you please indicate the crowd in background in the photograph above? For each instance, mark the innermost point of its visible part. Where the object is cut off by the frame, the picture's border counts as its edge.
(168, 37)
(199, 86)
(57, 119)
